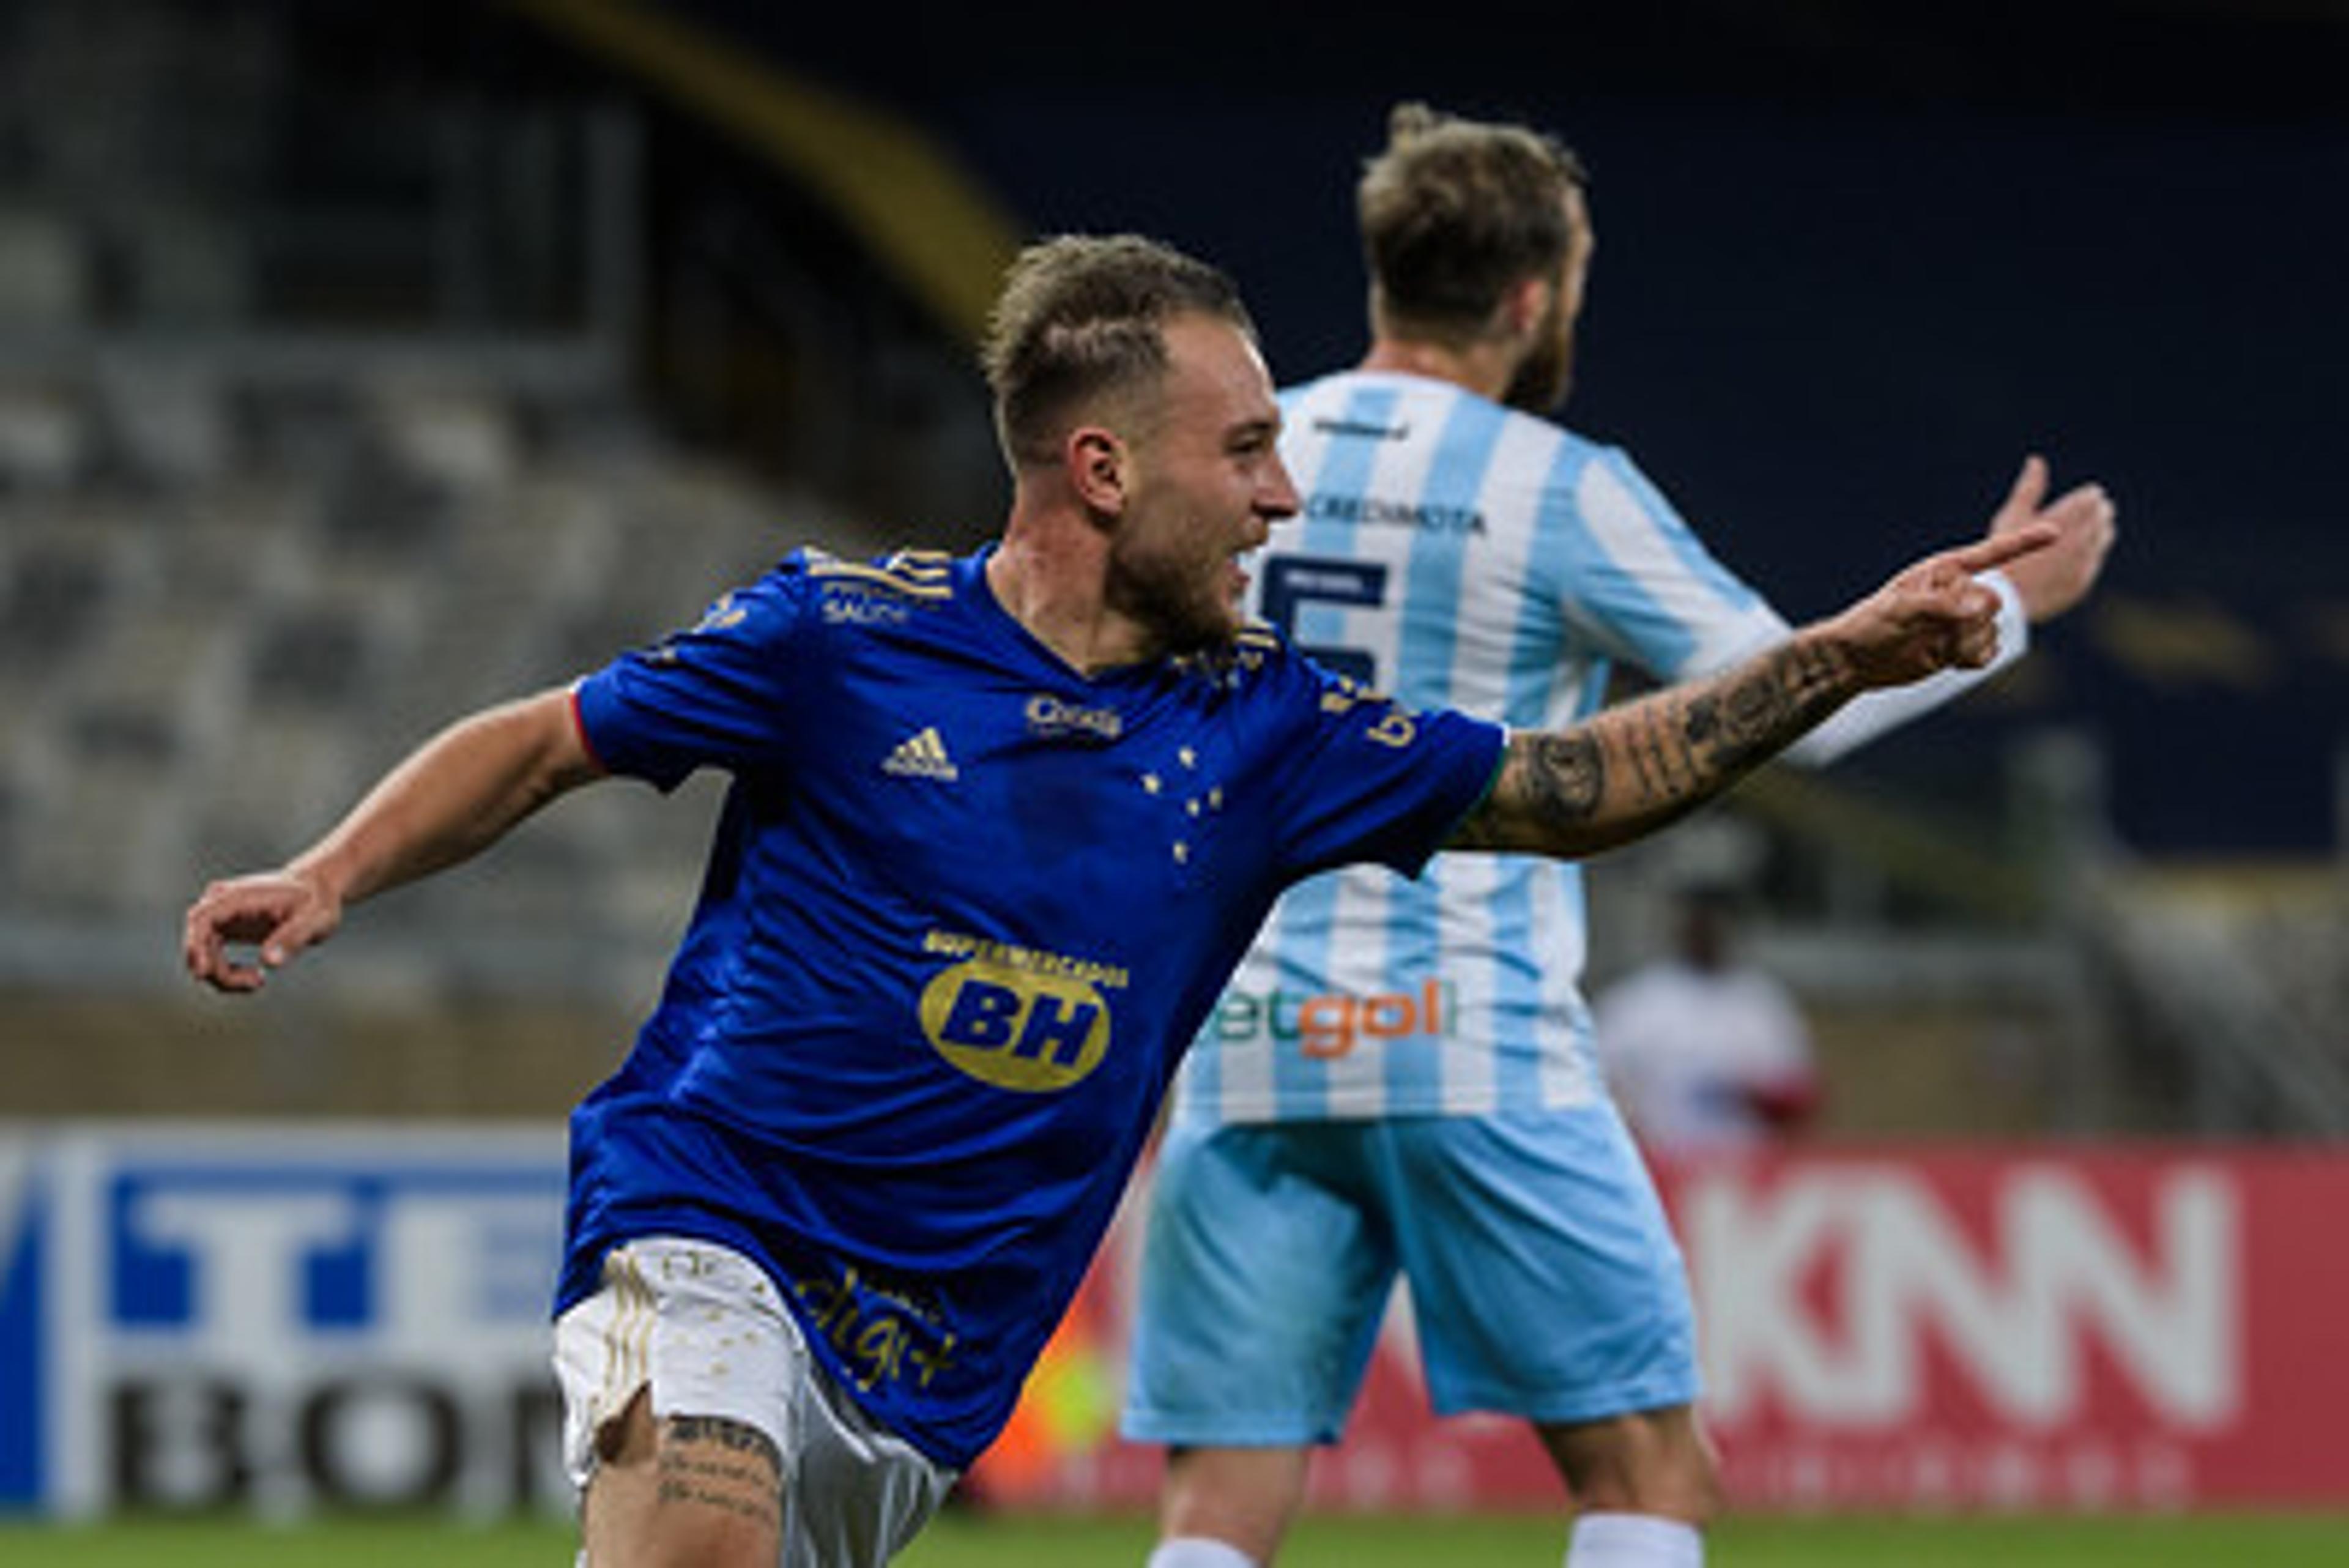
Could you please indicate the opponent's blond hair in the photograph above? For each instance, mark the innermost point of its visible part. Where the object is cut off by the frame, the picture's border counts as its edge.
(1454, 212)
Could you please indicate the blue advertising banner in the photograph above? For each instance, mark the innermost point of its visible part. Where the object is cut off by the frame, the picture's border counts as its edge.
(279, 1319)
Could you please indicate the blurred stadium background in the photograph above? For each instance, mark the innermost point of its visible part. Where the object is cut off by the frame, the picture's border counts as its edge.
(363, 363)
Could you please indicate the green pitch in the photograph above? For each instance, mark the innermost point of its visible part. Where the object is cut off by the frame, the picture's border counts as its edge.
(2316, 1540)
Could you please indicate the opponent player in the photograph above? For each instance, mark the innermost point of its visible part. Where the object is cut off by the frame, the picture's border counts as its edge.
(998, 828)
(1402, 1076)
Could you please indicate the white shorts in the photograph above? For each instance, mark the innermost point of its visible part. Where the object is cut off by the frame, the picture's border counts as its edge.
(705, 1330)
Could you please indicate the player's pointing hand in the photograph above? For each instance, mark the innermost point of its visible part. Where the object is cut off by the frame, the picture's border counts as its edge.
(1933, 616)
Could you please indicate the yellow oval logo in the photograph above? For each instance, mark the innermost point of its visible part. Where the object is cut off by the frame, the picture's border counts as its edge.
(1013, 1028)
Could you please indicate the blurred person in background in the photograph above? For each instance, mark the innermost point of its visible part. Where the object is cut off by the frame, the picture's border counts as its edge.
(1704, 1051)
(1402, 1078)
(998, 827)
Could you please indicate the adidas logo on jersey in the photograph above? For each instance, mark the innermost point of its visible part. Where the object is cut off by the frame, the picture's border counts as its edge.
(921, 756)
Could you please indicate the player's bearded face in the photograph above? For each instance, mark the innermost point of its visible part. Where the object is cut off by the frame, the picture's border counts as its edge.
(1547, 373)
(1176, 565)
(1208, 485)
(1172, 578)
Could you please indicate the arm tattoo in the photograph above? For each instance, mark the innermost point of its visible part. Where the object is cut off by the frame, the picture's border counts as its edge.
(1763, 710)
(1565, 775)
(1630, 770)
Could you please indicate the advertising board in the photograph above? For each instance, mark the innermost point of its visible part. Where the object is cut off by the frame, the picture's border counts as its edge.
(288, 1318)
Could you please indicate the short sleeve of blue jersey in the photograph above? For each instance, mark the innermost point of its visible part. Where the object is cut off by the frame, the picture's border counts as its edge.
(722, 693)
(1360, 777)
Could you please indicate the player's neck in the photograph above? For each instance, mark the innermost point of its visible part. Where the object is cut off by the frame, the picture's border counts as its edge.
(1048, 578)
(1485, 367)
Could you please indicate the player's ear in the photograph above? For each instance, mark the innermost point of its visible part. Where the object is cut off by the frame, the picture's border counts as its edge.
(1099, 467)
(1525, 304)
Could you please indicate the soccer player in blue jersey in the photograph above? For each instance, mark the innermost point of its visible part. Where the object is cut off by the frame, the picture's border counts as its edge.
(1402, 1076)
(1000, 827)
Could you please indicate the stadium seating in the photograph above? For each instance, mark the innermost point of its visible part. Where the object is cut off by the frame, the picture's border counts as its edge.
(206, 655)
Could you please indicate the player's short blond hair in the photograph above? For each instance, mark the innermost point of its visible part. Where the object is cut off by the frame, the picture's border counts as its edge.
(1082, 322)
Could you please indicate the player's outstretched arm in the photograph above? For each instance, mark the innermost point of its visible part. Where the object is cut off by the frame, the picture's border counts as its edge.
(451, 799)
(1627, 771)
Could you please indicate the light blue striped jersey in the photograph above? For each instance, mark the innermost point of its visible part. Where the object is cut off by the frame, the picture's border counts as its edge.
(1456, 554)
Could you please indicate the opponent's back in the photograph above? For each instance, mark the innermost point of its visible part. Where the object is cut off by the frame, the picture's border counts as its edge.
(1454, 553)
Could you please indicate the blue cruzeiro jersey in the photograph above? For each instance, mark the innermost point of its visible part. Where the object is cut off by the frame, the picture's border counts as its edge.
(964, 909)
(1462, 555)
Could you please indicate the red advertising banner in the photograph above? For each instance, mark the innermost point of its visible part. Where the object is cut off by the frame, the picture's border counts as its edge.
(2018, 1329)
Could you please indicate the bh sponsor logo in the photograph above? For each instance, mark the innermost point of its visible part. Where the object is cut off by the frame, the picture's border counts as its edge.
(1016, 1017)
(1330, 1026)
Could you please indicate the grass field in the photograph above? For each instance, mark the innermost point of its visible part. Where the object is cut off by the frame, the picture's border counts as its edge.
(2318, 1541)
